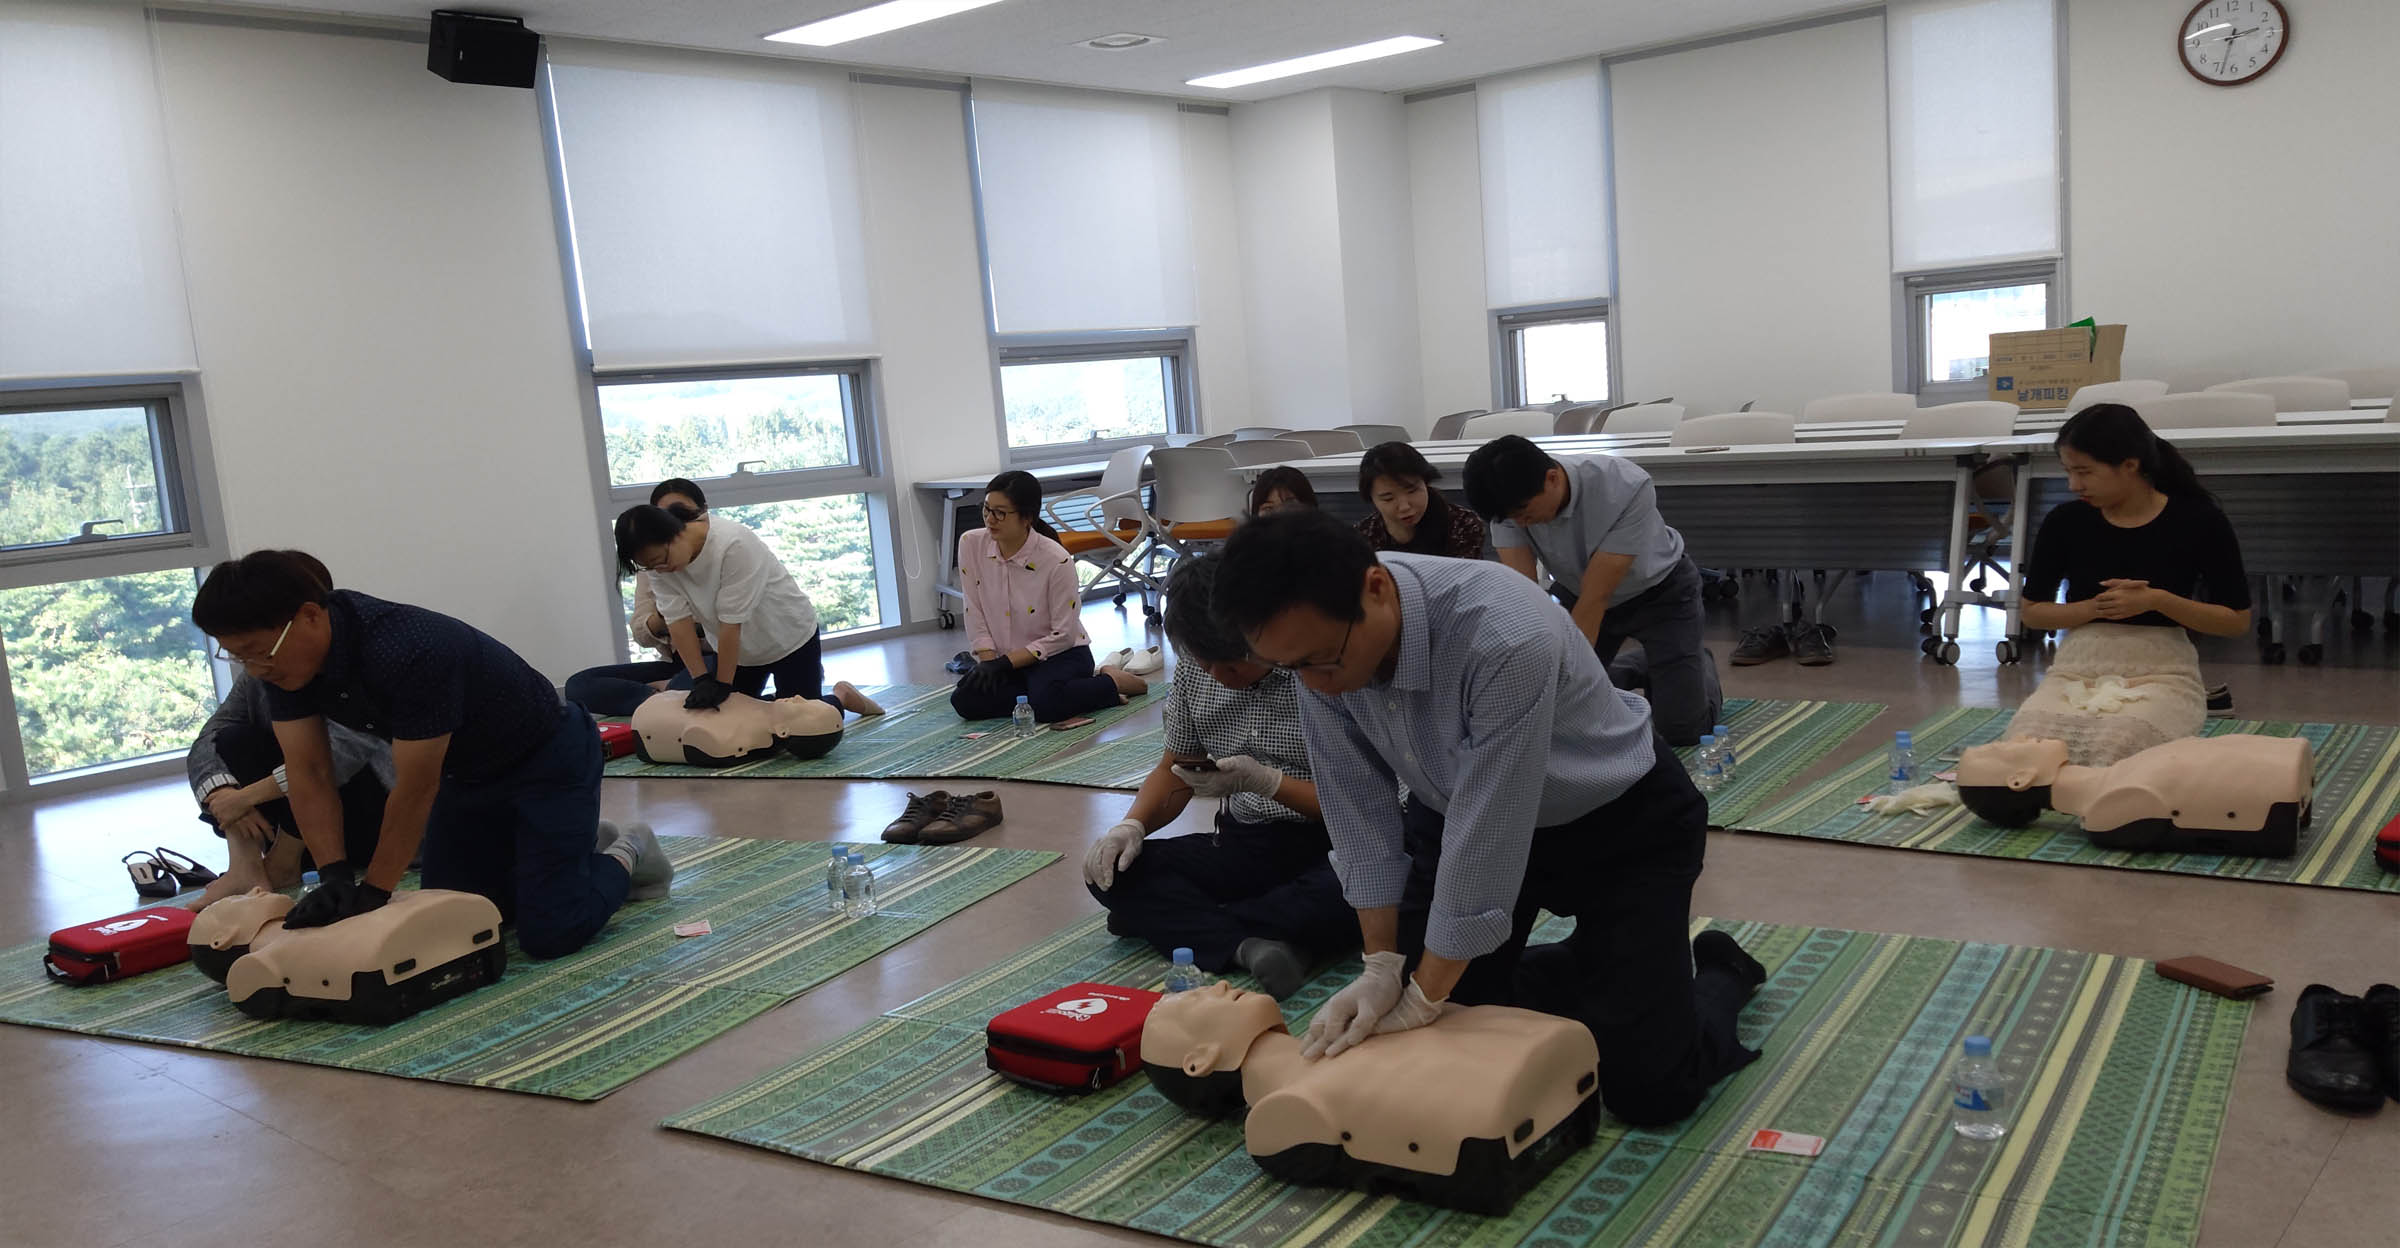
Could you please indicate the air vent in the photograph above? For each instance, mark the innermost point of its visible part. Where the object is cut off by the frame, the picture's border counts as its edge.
(1119, 42)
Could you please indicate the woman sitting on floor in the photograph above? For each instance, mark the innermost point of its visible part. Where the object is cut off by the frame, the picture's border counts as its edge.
(722, 592)
(1410, 514)
(619, 688)
(2143, 540)
(1025, 614)
(1279, 489)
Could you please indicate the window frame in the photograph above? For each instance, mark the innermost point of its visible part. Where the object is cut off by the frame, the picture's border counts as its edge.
(868, 473)
(1910, 294)
(180, 449)
(1508, 372)
(1177, 346)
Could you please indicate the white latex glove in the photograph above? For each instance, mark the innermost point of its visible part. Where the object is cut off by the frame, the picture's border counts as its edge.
(1113, 852)
(1354, 1013)
(1238, 773)
(1414, 1011)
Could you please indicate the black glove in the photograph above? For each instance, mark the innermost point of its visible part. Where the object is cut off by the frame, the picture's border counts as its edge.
(708, 693)
(337, 896)
(988, 674)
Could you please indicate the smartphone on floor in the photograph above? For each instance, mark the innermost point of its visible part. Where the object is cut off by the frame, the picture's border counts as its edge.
(1064, 724)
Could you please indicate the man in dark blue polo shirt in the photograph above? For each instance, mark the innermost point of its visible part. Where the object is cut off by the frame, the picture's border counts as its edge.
(495, 776)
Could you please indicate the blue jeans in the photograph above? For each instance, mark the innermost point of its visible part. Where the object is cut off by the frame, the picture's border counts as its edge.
(525, 838)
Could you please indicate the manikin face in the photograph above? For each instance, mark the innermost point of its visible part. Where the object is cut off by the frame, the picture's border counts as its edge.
(1542, 508)
(1400, 501)
(1330, 655)
(2018, 765)
(1207, 1029)
(2100, 483)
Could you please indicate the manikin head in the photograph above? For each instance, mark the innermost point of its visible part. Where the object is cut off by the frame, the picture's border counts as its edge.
(1194, 1043)
(2008, 782)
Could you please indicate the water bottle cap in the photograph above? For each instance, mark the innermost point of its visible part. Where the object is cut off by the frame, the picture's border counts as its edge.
(1720, 730)
(1183, 957)
(1979, 1046)
(1023, 699)
(856, 856)
(1901, 736)
(1706, 739)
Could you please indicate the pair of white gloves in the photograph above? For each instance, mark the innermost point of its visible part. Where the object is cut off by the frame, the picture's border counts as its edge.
(1119, 846)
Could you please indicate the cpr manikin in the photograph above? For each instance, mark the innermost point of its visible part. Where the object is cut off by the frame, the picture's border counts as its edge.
(1468, 1111)
(421, 948)
(740, 731)
(2240, 795)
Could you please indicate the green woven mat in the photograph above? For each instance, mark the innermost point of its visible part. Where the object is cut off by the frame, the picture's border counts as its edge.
(919, 735)
(2358, 791)
(581, 1026)
(2120, 1080)
(1777, 739)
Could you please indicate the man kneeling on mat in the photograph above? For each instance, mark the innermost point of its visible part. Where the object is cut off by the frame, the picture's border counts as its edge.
(494, 775)
(1257, 892)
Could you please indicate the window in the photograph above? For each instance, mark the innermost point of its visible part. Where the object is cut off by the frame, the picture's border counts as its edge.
(1952, 317)
(79, 475)
(1554, 353)
(789, 452)
(105, 670)
(1087, 399)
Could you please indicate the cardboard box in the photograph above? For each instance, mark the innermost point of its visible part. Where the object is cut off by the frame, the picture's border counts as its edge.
(2040, 368)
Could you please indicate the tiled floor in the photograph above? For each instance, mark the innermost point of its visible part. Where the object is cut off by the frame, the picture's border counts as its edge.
(107, 1143)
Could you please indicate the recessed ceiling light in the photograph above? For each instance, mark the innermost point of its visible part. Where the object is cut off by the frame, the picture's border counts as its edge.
(1315, 61)
(890, 15)
(1118, 43)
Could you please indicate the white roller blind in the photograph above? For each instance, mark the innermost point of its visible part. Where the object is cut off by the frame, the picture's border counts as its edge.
(91, 277)
(1545, 185)
(715, 205)
(1974, 100)
(1085, 220)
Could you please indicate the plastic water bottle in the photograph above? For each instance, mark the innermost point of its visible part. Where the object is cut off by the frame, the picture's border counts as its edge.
(1023, 716)
(1975, 1090)
(1708, 766)
(1903, 770)
(833, 877)
(858, 887)
(1183, 976)
(1725, 748)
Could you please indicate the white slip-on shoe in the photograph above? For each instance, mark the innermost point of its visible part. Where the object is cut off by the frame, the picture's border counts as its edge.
(1145, 662)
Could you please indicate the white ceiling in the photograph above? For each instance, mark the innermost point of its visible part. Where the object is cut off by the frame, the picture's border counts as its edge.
(1033, 39)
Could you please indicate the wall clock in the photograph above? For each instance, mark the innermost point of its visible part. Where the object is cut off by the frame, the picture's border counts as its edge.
(2226, 43)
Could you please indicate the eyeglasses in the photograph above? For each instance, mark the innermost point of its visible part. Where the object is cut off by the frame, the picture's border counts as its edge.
(1324, 666)
(996, 513)
(227, 656)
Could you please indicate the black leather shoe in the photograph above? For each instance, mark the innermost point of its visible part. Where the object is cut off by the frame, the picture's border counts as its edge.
(2330, 1062)
(2379, 1015)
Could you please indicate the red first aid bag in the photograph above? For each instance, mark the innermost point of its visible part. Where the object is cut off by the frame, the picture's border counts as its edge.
(2387, 846)
(113, 948)
(616, 740)
(1080, 1038)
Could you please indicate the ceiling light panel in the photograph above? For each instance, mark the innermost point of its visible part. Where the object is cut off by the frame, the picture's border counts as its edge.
(888, 16)
(1315, 61)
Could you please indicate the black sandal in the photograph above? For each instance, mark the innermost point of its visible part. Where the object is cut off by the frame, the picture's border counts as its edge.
(151, 877)
(192, 874)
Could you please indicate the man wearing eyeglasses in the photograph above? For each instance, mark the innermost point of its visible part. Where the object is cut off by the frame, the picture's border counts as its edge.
(1533, 784)
(495, 776)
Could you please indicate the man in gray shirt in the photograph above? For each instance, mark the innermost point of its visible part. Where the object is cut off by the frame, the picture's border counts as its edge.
(1533, 785)
(1615, 563)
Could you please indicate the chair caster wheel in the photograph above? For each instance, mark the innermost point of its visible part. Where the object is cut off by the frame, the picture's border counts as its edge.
(1926, 615)
(1119, 600)
(2362, 622)
(1149, 611)
(2271, 652)
(1928, 646)
(2005, 651)
(2311, 654)
(1947, 655)
(948, 619)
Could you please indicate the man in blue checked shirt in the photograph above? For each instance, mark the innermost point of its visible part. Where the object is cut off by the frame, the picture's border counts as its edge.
(1533, 784)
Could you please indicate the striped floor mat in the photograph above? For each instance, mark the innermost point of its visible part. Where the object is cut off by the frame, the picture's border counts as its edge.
(2358, 791)
(579, 1027)
(919, 735)
(2119, 1081)
(1777, 739)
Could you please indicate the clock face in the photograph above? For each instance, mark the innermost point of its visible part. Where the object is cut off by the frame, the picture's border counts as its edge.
(2228, 42)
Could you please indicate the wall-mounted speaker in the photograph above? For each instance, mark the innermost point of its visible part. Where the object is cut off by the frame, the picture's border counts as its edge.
(482, 48)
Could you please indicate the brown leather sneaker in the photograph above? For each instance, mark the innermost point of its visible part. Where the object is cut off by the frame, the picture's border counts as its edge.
(910, 826)
(968, 815)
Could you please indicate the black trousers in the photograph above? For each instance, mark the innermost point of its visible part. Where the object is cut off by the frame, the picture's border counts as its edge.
(1210, 892)
(252, 754)
(1624, 872)
(1059, 687)
(1677, 673)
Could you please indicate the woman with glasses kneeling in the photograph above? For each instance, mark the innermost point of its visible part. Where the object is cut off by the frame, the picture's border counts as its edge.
(1024, 613)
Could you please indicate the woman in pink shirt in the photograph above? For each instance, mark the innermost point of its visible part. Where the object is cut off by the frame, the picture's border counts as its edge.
(1024, 612)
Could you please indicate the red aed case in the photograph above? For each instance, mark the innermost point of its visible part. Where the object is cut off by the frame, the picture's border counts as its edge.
(1080, 1038)
(2387, 846)
(113, 948)
(616, 740)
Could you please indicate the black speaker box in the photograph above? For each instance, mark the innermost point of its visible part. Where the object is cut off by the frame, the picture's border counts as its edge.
(482, 48)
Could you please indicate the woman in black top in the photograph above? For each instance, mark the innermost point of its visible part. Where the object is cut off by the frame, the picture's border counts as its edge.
(2144, 554)
(1410, 514)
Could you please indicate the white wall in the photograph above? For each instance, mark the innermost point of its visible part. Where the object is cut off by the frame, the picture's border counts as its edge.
(1222, 344)
(381, 327)
(1753, 218)
(1446, 199)
(1291, 244)
(1379, 271)
(2253, 227)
